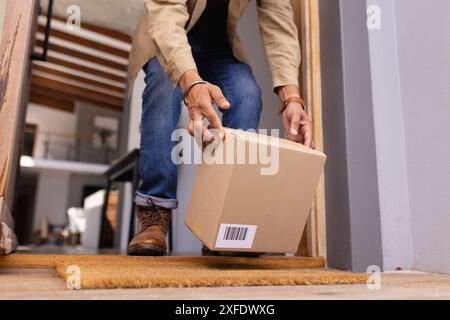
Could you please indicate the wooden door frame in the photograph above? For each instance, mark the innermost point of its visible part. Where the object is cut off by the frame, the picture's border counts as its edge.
(15, 53)
(306, 14)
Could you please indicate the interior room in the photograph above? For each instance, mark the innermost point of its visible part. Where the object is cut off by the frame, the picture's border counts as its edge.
(80, 122)
(70, 157)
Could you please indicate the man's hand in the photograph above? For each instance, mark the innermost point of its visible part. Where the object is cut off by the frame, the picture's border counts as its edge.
(200, 100)
(297, 124)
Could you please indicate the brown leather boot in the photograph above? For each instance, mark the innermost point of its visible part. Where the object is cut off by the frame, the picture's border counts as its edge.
(153, 226)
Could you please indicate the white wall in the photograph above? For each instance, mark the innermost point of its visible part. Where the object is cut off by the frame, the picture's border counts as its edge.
(410, 60)
(395, 213)
(423, 33)
(61, 125)
(56, 189)
(51, 198)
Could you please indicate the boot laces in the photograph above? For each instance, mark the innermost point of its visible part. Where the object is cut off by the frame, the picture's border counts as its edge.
(155, 216)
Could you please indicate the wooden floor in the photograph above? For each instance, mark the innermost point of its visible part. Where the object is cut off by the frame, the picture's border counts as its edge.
(45, 284)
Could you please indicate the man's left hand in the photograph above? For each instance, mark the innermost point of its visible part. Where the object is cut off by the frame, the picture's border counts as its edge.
(297, 125)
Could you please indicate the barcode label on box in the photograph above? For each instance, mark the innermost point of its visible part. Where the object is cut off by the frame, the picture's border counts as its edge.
(237, 236)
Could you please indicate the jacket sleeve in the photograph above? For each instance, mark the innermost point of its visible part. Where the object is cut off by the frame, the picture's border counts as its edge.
(167, 20)
(280, 38)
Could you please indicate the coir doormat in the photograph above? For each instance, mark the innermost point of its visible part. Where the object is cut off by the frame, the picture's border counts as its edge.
(100, 272)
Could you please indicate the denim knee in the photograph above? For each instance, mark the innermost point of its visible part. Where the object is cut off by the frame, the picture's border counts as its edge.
(250, 91)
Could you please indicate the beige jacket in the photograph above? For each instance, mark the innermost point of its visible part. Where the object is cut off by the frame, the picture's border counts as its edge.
(163, 28)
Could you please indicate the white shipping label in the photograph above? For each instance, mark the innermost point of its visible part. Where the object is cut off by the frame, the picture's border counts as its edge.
(236, 236)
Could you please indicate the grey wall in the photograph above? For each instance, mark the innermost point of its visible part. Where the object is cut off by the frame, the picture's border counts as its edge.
(360, 138)
(386, 115)
(336, 183)
(353, 214)
(423, 33)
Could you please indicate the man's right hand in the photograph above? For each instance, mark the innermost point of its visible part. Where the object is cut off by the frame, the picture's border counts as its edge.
(200, 100)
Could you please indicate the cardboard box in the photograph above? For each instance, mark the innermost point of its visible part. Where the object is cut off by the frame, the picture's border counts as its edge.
(258, 206)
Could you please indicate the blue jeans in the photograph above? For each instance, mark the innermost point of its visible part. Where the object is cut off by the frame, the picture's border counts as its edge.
(161, 111)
